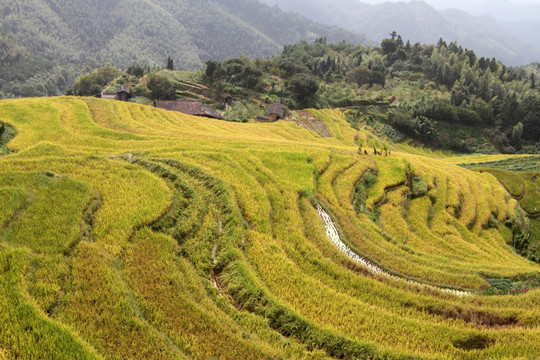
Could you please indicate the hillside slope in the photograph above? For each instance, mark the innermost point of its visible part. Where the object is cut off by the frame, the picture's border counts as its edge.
(89, 34)
(132, 232)
(444, 96)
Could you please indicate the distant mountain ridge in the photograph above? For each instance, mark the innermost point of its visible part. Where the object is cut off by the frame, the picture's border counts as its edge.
(420, 22)
(124, 32)
(500, 10)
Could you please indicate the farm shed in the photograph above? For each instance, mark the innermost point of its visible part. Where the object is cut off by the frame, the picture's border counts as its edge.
(226, 98)
(122, 93)
(265, 119)
(275, 111)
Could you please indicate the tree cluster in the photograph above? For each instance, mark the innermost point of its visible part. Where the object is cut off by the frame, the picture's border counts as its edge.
(91, 84)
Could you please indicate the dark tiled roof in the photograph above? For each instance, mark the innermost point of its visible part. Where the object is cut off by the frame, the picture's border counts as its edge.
(276, 109)
(123, 88)
(188, 107)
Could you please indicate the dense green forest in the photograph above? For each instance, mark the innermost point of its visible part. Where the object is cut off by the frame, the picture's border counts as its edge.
(442, 95)
(46, 44)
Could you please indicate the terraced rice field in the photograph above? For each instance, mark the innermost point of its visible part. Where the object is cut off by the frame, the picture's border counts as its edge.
(128, 232)
(521, 178)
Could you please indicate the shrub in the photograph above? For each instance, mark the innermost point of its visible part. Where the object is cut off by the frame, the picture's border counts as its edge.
(305, 86)
(418, 188)
(161, 88)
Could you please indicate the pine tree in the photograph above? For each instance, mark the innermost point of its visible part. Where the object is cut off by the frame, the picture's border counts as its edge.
(493, 66)
(533, 84)
(441, 43)
(170, 63)
(408, 46)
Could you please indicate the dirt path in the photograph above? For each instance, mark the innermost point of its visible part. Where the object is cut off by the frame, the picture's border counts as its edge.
(311, 123)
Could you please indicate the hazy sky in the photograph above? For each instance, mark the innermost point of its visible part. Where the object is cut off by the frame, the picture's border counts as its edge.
(470, 1)
(499, 9)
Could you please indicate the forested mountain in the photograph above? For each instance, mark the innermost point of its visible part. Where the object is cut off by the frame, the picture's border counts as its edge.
(524, 29)
(343, 12)
(44, 44)
(420, 22)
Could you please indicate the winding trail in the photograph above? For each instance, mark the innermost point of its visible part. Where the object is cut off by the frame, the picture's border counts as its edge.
(333, 235)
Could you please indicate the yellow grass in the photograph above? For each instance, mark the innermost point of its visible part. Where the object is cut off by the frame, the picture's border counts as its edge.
(132, 232)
